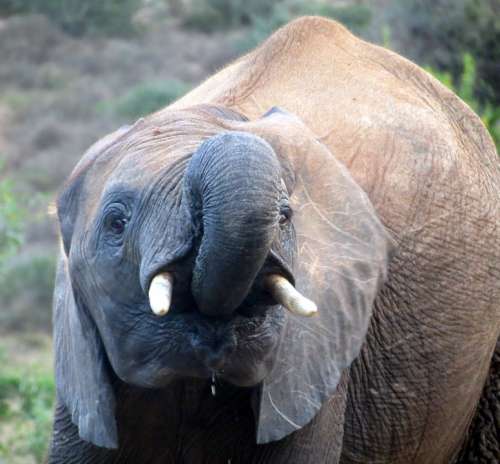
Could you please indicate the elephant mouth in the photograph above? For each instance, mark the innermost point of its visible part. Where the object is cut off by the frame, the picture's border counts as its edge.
(239, 348)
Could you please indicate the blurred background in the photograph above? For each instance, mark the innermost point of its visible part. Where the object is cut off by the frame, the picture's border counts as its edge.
(73, 70)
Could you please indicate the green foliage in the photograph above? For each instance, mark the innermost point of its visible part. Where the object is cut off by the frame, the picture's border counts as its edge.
(354, 17)
(264, 17)
(27, 284)
(264, 27)
(213, 15)
(80, 17)
(439, 32)
(10, 222)
(26, 402)
(149, 97)
(464, 87)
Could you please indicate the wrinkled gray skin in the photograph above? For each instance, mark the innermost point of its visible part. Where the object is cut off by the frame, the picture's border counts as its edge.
(401, 364)
(227, 208)
(218, 217)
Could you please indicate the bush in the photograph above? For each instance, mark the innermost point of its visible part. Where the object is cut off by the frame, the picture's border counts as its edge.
(213, 15)
(26, 403)
(10, 222)
(464, 88)
(264, 17)
(26, 293)
(439, 32)
(35, 275)
(80, 17)
(264, 27)
(149, 97)
(354, 17)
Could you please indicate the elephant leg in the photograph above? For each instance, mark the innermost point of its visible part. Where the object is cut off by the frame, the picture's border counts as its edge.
(67, 447)
(320, 441)
(483, 440)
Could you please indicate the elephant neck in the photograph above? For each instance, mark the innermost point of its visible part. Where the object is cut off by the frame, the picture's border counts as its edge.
(186, 419)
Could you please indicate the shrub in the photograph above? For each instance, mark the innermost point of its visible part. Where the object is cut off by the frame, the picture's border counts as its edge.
(35, 275)
(213, 15)
(149, 97)
(264, 27)
(10, 222)
(264, 16)
(26, 402)
(439, 32)
(80, 17)
(354, 17)
(26, 293)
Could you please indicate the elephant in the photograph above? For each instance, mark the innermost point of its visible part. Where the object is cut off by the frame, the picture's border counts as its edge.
(297, 262)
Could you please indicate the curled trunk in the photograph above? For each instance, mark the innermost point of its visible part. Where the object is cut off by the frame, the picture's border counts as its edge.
(233, 179)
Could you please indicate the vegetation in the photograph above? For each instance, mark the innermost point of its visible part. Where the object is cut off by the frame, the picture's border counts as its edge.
(263, 17)
(439, 32)
(149, 97)
(75, 70)
(81, 17)
(212, 15)
(355, 17)
(24, 283)
(10, 222)
(26, 400)
(26, 292)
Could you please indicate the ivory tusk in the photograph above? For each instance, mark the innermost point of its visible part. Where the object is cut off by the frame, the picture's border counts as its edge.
(160, 293)
(288, 296)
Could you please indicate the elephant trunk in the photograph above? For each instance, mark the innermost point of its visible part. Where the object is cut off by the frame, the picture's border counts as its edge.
(233, 179)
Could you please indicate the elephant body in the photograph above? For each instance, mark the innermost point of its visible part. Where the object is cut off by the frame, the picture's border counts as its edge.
(432, 174)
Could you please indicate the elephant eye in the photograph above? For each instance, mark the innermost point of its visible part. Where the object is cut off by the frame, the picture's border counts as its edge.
(115, 218)
(117, 225)
(285, 214)
(116, 221)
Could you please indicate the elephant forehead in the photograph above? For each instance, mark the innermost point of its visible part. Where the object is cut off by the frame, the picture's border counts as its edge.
(156, 150)
(157, 161)
(120, 172)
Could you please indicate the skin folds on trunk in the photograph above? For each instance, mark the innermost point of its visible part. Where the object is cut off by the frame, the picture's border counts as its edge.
(233, 179)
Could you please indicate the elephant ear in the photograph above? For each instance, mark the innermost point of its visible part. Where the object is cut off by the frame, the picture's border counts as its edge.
(83, 382)
(82, 374)
(343, 252)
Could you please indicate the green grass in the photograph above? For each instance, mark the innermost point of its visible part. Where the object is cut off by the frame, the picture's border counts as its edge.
(26, 398)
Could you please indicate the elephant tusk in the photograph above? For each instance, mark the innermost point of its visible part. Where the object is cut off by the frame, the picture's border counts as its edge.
(160, 293)
(288, 296)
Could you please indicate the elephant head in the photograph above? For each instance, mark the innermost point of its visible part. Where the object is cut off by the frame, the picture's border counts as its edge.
(185, 239)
